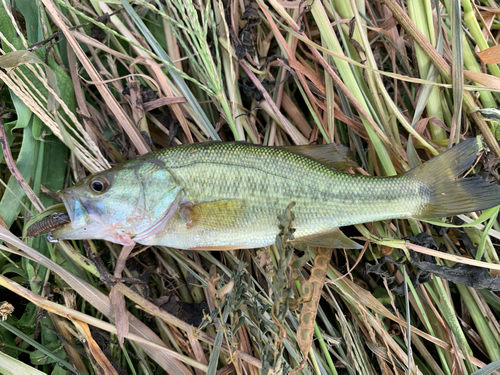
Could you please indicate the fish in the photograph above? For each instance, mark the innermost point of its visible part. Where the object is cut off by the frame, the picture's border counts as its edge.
(228, 195)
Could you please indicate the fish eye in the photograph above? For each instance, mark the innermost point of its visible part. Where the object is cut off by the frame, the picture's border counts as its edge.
(99, 184)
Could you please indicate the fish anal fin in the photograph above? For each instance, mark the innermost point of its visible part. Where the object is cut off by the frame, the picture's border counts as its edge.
(334, 239)
(215, 214)
(333, 154)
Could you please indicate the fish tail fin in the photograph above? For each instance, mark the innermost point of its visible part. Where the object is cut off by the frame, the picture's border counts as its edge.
(448, 194)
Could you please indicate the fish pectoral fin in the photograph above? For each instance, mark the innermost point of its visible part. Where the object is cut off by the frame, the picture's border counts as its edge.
(214, 215)
(335, 155)
(334, 239)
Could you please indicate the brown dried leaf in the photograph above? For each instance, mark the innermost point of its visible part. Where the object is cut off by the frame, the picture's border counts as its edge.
(121, 317)
(490, 55)
(422, 124)
(197, 351)
(149, 106)
(294, 113)
(486, 80)
(383, 29)
(309, 73)
(69, 343)
(122, 258)
(99, 356)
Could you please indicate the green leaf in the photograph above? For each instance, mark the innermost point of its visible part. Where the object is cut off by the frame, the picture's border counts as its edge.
(241, 321)
(55, 155)
(12, 366)
(300, 262)
(48, 334)
(8, 30)
(214, 356)
(488, 369)
(65, 85)
(27, 319)
(49, 355)
(413, 158)
(40, 130)
(23, 113)
(32, 18)
(58, 370)
(8, 339)
(14, 270)
(33, 277)
(382, 295)
(50, 172)
(485, 216)
(10, 205)
(41, 357)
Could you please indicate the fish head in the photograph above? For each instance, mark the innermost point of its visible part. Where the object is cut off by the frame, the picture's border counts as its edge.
(123, 204)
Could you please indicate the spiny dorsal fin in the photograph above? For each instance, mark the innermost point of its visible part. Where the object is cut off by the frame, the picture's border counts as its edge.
(333, 154)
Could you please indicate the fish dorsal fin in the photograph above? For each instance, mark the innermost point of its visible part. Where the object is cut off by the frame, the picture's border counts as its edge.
(333, 154)
(334, 239)
(214, 215)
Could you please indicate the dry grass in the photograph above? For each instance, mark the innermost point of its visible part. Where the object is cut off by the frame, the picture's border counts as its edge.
(396, 83)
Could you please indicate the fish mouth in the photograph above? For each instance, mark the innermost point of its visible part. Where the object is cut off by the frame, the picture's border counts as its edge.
(78, 214)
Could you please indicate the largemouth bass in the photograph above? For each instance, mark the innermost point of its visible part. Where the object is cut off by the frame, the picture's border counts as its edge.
(221, 196)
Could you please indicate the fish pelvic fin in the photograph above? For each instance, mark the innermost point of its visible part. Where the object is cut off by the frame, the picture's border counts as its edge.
(449, 195)
(334, 239)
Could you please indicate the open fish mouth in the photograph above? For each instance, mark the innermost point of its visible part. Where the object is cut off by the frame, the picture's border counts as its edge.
(78, 214)
(73, 216)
